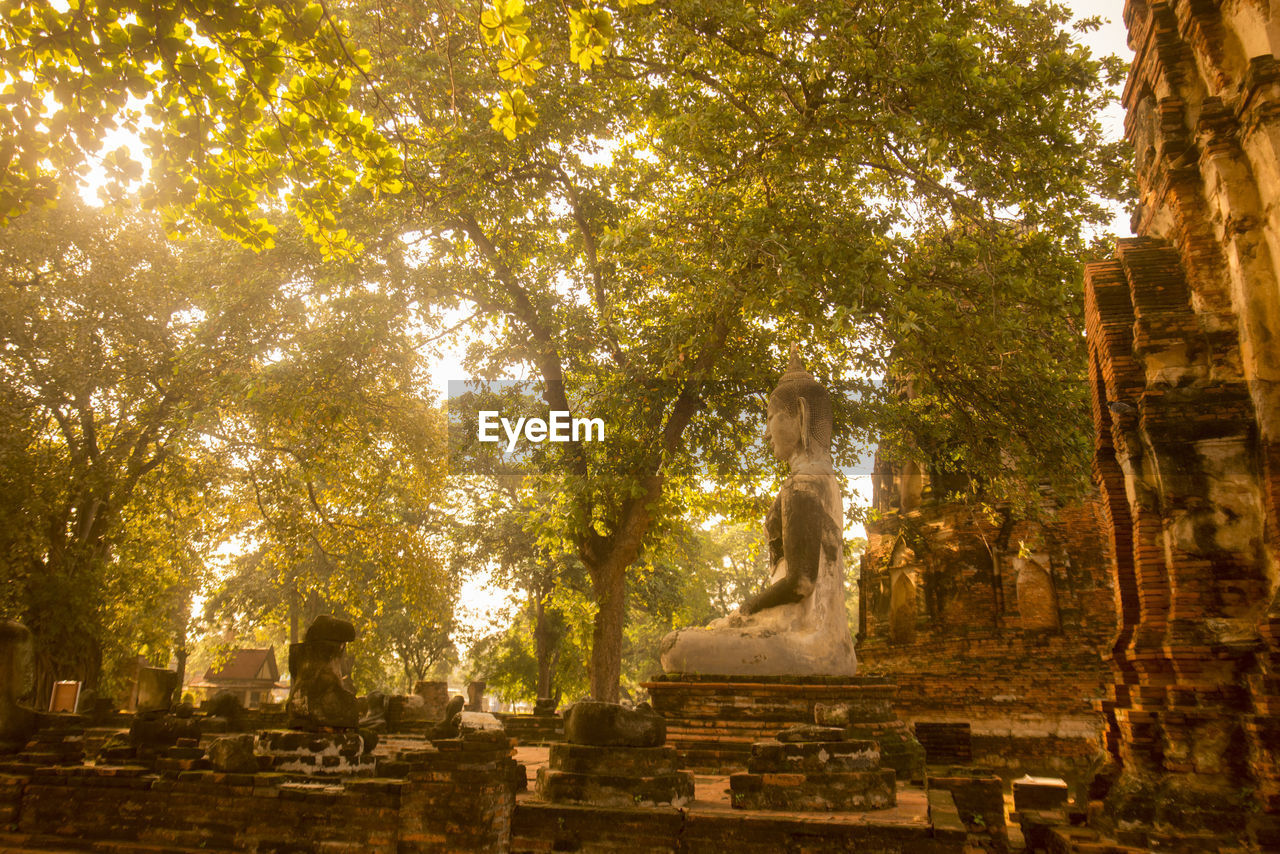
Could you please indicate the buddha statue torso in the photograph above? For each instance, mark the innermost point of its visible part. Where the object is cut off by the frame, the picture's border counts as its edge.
(798, 625)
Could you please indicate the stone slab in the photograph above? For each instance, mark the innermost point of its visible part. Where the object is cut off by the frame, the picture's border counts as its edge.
(601, 790)
(813, 757)
(1039, 793)
(614, 761)
(825, 792)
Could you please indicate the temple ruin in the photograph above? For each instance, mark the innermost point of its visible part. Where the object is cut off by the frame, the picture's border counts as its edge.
(1105, 677)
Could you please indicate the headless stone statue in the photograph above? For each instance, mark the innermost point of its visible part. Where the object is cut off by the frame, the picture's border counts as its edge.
(798, 624)
(318, 699)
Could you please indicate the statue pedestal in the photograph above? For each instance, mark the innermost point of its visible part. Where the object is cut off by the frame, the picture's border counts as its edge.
(814, 776)
(713, 721)
(617, 777)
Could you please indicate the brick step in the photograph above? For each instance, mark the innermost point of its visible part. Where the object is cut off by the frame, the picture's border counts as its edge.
(27, 843)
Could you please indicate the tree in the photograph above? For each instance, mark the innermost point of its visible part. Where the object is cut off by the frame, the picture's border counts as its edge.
(733, 177)
(676, 191)
(236, 104)
(337, 469)
(114, 346)
(161, 401)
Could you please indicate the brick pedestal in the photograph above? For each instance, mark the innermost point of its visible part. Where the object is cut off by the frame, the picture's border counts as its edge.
(713, 721)
(814, 776)
(614, 776)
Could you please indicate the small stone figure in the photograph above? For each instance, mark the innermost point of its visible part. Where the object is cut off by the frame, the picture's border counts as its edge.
(799, 624)
(375, 716)
(226, 713)
(614, 725)
(475, 695)
(318, 699)
(17, 681)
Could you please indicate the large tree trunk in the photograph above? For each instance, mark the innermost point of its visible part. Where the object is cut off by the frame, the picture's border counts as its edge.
(606, 635)
(542, 646)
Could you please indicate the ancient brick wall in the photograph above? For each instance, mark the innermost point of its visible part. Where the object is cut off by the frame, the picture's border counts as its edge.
(1183, 328)
(1000, 624)
(453, 802)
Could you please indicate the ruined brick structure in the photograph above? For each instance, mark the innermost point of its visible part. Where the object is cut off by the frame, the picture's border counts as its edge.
(991, 627)
(1184, 361)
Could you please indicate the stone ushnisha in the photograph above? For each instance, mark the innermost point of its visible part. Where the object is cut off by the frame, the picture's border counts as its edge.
(798, 625)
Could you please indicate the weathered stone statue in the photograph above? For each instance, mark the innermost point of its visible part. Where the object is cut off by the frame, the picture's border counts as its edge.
(17, 681)
(798, 625)
(318, 699)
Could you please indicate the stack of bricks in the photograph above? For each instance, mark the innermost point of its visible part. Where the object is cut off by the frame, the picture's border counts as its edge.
(977, 797)
(460, 798)
(1182, 326)
(713, 721)
(534, 729)
(11, 786)
(186, 755)
(453, 800)
(820, 770)
(55, 745)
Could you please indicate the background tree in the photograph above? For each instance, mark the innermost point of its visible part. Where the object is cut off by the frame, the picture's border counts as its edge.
(162, 401)
(237, 105)
(113, 347)
(731, 178)
(337, 465)
(711, 181)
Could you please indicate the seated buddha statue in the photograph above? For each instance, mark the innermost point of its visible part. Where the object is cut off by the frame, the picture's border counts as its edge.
(798, 624)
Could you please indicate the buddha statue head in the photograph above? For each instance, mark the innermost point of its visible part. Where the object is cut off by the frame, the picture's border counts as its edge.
(800, 417)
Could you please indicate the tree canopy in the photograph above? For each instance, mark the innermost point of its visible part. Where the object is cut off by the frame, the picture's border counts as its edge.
(235, 103)
(642, 205)
(734, 177)
(162, 401)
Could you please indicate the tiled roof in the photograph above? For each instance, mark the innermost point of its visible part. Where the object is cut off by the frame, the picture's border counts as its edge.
(245, 665)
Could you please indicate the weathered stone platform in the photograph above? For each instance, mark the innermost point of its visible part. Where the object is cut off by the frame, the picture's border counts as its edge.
(814, 776)
(455, 800)
(614, 757)
(614, 777)
(709, 825)
(713, 721)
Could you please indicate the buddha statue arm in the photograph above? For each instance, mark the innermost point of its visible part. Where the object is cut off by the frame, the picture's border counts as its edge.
(803, 516)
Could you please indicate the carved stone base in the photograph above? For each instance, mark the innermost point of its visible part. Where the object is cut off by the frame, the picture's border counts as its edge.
(614, 776)
(714, 721)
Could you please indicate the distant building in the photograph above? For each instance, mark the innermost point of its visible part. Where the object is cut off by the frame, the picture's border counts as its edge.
(250, 674)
